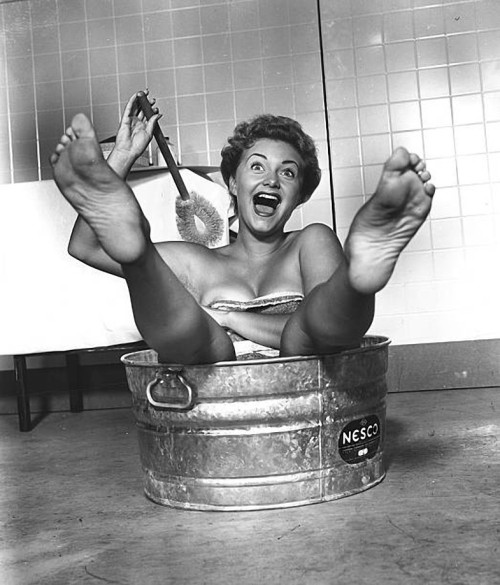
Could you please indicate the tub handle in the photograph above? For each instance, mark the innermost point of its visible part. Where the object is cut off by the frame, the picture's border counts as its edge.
(184, 405)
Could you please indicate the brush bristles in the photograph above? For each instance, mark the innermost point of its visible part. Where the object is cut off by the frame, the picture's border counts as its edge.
(198, 208)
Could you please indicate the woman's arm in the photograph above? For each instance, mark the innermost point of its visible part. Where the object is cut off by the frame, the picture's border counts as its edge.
(259, 328)
(319, 253)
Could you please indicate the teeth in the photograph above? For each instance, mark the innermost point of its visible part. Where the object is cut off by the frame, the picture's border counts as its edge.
(267, 199)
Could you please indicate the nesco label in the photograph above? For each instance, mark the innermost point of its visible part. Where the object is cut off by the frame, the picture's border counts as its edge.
(359, 440)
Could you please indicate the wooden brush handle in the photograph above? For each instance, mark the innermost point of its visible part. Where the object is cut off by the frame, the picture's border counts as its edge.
(163, 146)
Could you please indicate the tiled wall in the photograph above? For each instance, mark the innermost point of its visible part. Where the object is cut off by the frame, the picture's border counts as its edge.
(424, 74)
(209, 63)
(420, 73)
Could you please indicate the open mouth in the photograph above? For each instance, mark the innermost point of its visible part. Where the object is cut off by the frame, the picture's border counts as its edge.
(265, 203)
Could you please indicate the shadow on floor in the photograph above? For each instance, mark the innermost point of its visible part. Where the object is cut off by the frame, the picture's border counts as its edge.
(409, 449)
(43, 409)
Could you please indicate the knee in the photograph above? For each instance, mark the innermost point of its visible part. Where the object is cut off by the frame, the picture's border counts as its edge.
(294, 340)
(192, 340)
(177, 342)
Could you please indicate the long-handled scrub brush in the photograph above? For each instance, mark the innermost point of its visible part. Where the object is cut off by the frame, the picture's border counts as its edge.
(197, 219)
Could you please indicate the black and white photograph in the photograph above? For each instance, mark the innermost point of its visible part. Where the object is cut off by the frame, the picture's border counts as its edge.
(249, 292)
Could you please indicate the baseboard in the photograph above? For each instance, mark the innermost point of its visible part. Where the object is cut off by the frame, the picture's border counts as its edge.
(420, 367)
(444, 366)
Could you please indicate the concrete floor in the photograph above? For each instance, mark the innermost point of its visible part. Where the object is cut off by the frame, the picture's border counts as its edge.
(72, 509)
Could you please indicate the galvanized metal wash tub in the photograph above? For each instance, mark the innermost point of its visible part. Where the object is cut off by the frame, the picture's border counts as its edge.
(267, 433)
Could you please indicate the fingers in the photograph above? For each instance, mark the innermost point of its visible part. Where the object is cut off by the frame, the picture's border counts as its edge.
(219, 317)
(130, 107)
(152, 101)
(152, 121)
(146, 93)
(142, 116)
(134, 119)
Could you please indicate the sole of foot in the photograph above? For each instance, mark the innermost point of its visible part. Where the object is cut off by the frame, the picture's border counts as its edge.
(387, 222)
(97, 193)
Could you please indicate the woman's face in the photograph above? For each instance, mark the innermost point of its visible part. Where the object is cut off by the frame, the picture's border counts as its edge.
(268, 184)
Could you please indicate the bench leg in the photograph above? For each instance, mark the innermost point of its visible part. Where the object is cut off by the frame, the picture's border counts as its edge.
(23, 399)
(75, 390)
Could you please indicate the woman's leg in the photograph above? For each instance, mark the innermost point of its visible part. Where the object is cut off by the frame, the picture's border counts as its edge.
(166, 314)
(337, 313)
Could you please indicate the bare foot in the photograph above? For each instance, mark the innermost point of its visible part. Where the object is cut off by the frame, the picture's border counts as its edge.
(98, 194)
(387, 221)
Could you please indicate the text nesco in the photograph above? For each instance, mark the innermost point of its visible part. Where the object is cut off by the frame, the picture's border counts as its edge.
(361, 434)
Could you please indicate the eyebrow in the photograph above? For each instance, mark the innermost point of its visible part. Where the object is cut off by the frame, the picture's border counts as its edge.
(284, 162)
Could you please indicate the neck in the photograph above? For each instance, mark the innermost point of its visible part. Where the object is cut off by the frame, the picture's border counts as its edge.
(253, 246)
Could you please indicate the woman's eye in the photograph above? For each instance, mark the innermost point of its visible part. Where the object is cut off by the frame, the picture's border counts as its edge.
(289, 173)
(256, 166)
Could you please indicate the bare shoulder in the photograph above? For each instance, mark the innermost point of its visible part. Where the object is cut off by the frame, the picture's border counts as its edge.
(319, 252)
(182, 250)
(317, 236)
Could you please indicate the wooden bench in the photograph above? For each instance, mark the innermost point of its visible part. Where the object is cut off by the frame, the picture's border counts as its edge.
(72, 364)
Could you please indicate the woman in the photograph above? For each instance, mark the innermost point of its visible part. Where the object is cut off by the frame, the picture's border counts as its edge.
(270, 166)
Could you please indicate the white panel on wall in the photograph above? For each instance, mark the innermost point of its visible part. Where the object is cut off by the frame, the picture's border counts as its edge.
(424, 74)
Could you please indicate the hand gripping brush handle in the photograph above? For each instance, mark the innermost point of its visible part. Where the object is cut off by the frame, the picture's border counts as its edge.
(163, 146)
(197, 218)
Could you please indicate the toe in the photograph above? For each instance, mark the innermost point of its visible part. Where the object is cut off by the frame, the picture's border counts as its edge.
(82, 126)
(398, 161)
(424, 176)
(430, 189)
(415, 160)
(420, 166)
(70, 133)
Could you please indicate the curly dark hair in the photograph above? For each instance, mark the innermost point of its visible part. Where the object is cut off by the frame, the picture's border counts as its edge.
(275, 128)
